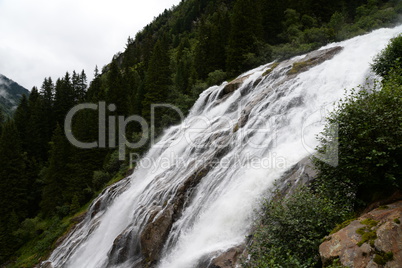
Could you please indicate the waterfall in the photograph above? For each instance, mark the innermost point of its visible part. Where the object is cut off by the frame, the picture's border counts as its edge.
(194, 194)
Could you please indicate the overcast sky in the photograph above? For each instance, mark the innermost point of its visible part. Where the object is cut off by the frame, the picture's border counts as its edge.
(45, 38)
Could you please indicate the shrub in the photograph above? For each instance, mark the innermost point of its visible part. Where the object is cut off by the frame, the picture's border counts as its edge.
(389, 58)
(291, 230)
(216, 77)
(100, 178)
(369, 149)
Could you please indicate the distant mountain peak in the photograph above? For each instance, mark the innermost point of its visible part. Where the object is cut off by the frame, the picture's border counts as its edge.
(10, 94)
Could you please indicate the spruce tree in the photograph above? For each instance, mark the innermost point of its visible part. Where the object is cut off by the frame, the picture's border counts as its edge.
(157, 80)
(246, 32)
(56, 174)
(13, 188)
(116, 89)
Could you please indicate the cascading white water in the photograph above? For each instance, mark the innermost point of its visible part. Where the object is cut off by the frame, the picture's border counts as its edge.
(207, 175)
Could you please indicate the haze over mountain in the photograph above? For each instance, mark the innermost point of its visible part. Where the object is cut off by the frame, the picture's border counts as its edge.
(10, 94)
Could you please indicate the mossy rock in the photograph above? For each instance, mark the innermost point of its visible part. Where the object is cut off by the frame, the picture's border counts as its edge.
(368, 232)
(300, 66)
(381, 258)
(312, 59)
(341, 226)
(272, 67)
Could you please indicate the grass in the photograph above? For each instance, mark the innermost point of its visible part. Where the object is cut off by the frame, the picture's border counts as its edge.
(39, 247)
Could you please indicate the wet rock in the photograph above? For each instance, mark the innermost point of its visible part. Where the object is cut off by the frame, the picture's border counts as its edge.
(270, 68)
(233, 86)
(312, 59)
(46, 264)
(300, 174)
(155, 233)
(245, 113)
(125, 246)
(96, 208)
(383, 248)
(227, 259)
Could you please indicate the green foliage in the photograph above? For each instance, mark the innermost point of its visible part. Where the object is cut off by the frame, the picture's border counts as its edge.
(216, 77)
(13, 189)
(56, 175)
(341, 226)
(369, 222)
(381, 258)
(38, 236)
(336, 264)
(389, 58)
(157, 80)
(245, 33)
(291, 229)
(75, 204)
(100, 178)
(368, 232)
(369, 134)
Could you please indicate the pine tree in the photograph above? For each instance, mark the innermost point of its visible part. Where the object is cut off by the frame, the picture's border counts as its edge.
(21, 117)
(117, 89)
(213, 33)
(56, 174)
(65, 98)
(246, 32)
(39, 127)
(47, 109)
(13, 188)
(184, 67)
(157, 80)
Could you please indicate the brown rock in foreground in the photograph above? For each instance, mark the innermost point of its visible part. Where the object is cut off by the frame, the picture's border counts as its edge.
(373, 240)
(227, 259)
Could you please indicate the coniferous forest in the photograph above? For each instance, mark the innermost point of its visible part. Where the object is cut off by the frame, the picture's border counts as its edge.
(46, 183)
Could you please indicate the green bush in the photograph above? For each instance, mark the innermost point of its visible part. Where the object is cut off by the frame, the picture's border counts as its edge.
(100, 178)
(389, 58)
(216, 77)
(369, 147)
(291, 230)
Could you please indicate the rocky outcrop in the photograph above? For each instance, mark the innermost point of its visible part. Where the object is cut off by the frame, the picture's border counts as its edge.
(160, 222)
(233, 85)
(227, 259)
(372, 240)
(312, 59)
(298, 175)
(155, 233)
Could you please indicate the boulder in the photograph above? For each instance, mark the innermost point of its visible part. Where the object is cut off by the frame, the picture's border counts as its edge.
(233, 86)
(227, 259)
(312, 59)
(155, 233)
(372, 240)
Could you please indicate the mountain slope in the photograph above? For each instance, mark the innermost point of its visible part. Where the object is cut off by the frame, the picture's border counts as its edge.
(10, 94)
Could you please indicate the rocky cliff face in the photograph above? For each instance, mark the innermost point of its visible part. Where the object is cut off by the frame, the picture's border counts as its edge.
(372, 240)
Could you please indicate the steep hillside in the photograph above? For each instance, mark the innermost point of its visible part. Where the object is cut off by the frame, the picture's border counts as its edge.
(10, 94)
